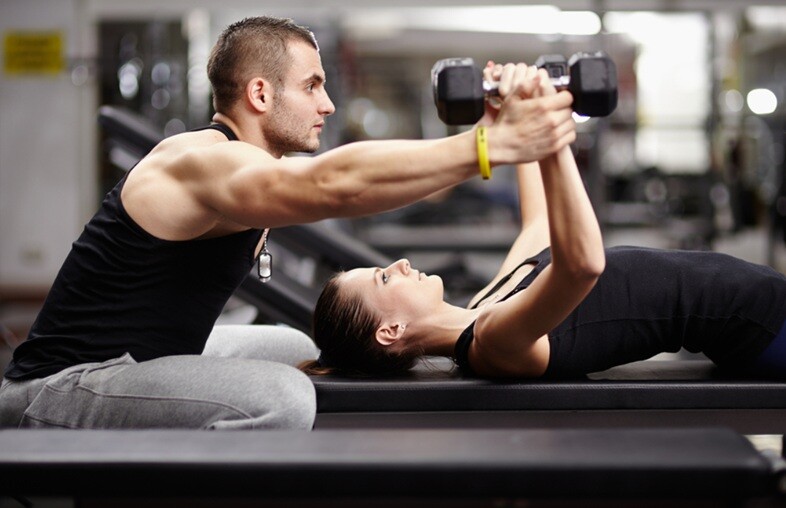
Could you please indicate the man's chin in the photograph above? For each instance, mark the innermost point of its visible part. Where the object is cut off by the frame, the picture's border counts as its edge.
(304, 149)
(313, 147)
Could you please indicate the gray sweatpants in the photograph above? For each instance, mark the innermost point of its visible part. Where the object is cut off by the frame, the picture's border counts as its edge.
(245, 379)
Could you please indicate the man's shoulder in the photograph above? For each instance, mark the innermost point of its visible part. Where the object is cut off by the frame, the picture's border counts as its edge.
(192, 140)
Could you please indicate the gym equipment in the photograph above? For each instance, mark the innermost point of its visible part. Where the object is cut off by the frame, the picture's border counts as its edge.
(340, 468)
(460, 91)
(672, 393)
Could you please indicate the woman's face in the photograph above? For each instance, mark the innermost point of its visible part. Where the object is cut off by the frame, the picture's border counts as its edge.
(397, 291)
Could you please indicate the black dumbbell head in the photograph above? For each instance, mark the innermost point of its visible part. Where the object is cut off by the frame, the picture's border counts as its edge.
(457, 84)
(593, 83)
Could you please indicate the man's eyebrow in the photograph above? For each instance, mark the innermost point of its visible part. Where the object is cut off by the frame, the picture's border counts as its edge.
(315, 78)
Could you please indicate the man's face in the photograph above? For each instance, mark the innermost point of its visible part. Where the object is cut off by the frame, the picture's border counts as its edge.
(300, 104)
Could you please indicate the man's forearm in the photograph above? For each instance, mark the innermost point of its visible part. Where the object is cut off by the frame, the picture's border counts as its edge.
(374, 176)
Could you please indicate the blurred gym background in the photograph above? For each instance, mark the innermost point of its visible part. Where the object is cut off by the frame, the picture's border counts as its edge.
(692, 158)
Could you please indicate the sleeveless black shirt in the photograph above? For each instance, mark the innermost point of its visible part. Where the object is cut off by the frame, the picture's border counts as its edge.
(122, 290)
(649, 301)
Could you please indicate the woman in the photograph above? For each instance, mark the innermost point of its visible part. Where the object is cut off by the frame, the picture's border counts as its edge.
(561, 305)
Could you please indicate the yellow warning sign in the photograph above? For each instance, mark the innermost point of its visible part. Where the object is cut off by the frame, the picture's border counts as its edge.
(33, 53)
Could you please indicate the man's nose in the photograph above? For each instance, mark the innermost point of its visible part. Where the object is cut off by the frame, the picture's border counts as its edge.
(327, 107)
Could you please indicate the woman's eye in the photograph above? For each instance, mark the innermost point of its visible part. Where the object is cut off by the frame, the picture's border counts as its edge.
(384, 278)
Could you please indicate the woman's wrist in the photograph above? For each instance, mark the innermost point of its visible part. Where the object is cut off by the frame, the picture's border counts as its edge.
(558, 158)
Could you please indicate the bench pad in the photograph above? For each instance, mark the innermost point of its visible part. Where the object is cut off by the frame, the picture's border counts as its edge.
(435, 386)
(712, 463)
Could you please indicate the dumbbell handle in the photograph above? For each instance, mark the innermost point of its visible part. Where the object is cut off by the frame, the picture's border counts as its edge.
(491, 89)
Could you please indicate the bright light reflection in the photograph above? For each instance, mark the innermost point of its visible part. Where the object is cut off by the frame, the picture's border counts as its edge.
(762, 101)
(580, 118)
(531, 19)
(766, 17)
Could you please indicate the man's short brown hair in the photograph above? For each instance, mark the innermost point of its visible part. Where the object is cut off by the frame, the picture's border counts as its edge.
(251, 47)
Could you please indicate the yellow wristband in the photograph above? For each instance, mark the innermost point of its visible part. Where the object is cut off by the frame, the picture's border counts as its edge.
(483, 152)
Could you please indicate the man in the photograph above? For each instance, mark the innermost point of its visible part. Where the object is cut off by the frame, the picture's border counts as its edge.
(118, 341)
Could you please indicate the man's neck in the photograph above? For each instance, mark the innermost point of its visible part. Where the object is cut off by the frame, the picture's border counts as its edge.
(224, 119)
(246, 132)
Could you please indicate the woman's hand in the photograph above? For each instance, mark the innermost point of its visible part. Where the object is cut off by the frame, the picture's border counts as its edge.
(532, 121)
(491, 74)
(519, 78)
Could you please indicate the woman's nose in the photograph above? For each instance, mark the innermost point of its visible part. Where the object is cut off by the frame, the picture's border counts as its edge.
(401, 264)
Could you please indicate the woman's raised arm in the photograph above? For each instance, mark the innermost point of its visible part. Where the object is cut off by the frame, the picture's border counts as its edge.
(534, 234)
(511, 336)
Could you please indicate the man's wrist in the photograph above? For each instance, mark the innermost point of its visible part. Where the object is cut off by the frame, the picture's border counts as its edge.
(482, 144)
(496, 153)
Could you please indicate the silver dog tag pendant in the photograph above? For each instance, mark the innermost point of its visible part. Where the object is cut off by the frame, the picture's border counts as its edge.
(265, 265)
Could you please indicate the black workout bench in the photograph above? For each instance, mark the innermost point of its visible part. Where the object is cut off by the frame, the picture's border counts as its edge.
(353, 468)
(681, 393)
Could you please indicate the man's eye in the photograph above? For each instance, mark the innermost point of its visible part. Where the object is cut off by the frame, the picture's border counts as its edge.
(384, 278)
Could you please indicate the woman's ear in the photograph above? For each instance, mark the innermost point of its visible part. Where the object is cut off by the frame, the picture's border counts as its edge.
(390, 333)
(258, 93)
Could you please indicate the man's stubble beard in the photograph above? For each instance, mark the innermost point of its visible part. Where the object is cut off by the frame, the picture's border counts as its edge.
(282, 133)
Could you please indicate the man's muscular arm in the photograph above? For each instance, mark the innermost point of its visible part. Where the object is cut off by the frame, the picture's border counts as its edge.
(248, 186)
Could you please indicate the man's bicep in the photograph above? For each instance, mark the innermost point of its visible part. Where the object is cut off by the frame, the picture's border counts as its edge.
(255, 190)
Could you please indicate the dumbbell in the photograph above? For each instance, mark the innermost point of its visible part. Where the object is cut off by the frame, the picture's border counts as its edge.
(460, 91)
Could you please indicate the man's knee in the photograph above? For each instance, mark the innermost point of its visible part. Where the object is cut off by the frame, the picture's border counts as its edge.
(296, 403)
(281, 397)
(261, 342)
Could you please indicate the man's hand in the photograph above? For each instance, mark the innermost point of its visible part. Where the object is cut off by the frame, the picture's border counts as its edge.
(533, 120)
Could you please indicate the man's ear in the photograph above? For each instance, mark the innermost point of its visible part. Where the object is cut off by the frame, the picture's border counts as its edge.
(258, 93)
(389, 333)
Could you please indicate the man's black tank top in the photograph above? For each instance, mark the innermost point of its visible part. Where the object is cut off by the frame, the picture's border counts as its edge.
(650, 301)
(122, 290)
